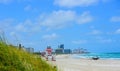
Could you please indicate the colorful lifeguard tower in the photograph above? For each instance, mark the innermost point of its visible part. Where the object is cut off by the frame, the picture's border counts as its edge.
(49, 55)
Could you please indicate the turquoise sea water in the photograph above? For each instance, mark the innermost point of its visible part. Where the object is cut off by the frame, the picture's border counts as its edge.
(100, 55)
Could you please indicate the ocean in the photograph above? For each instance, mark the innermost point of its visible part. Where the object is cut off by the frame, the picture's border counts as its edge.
(100, 55)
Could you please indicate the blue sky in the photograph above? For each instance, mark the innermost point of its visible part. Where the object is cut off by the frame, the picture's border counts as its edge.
(89, 24)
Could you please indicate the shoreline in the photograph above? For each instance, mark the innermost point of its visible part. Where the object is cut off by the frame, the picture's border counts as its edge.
(104, 56)
(67, 63)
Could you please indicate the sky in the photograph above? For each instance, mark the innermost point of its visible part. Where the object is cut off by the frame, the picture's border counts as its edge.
(90, 24)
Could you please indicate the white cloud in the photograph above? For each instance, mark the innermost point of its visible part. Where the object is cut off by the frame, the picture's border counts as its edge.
(75, 3)
(28, 26)
(6, 24)
(50, 36)
(12, 33)
(58, 19)
(6, 21)
(10, 1)
(117, 31)
(61, 18)
(105, 1)
(55, 20)
(92, 27)
(80, 42)
(21, 27)
(1, 32)
(95, 32)
(5, 1)
(84, 18)
(101, 39)
(28, 8)
(115, 19)
(106, 40)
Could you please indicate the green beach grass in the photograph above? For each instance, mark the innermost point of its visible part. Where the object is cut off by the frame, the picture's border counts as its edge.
(13, 59)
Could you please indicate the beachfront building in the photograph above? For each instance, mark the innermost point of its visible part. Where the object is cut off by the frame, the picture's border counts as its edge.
(80, 51)
(61, 46)
(30, 50)
(21, 47)
(61, 50)
(67, 51)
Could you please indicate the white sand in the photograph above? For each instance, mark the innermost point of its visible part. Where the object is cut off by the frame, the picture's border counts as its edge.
(66, 63)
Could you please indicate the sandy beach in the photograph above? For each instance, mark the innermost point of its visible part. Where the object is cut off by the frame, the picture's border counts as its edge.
(67, 63)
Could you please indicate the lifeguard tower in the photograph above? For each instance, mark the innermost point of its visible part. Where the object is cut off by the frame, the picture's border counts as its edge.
(49, 55)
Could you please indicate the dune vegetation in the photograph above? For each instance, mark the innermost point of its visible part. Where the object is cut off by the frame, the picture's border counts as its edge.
(14, 59)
